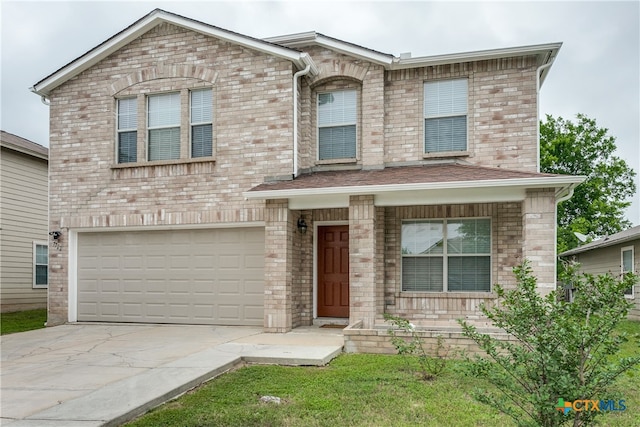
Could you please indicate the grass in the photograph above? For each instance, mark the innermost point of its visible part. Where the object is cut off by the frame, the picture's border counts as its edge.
(355, 390)
(22, 321)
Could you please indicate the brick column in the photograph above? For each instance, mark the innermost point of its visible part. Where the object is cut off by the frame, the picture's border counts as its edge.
(539, 236)
(362, 260)
(279, 229)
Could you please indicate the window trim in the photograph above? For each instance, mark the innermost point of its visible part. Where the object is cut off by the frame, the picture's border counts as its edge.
(445, 255)
(355, 123)
(447, 153)
(622, 251)
(37, 243)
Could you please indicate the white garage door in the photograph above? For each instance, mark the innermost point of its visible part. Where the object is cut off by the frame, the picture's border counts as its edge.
(199, 276)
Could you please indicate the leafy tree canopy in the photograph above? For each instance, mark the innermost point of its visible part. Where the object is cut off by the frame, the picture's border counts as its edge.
(598, 204)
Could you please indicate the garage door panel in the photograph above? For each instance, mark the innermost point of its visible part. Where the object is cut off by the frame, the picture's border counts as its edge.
(186, 276)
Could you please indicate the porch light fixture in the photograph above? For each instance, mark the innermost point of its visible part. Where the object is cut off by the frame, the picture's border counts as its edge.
(302, 226)
(55, 234)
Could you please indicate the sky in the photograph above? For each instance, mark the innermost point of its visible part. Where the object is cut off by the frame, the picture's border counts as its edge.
(597, 72)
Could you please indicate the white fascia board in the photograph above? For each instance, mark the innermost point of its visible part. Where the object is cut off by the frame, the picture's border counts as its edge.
(348, 49)
(544, 182)
(311, 37)
(550, 49)
(94, 56)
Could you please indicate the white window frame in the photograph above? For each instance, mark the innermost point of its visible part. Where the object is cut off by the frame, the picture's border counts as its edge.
(125, 130)
(336, 124)
(172, 126)
(426, 116)
(445, 255)
(192, 123)
(35, 245)
(622, 271)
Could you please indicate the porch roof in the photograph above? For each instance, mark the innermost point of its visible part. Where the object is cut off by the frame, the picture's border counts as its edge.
(409, 185)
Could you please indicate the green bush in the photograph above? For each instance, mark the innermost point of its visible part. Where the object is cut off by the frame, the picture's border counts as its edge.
(562, 351)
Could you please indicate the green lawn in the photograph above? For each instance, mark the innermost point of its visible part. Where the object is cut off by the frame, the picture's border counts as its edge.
(353, 390)
(22, 321)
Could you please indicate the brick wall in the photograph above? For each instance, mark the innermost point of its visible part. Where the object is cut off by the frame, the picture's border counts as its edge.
(441, 308)
(252, 140)
(502, 115)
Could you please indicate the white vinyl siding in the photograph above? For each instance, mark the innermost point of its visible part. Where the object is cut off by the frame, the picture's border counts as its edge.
(127, 130)
(446, 255)
(626, 255)
(337, 118)
(201, 118)
(40, 265)
(164, 126)
(445, 116)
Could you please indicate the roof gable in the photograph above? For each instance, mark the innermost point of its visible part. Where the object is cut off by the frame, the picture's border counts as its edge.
(150, 21)
(19, 144)
(627, 235)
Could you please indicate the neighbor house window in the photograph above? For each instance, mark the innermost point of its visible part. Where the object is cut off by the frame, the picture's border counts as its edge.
(337, 116)
(445, 116)
(164, 126)
(40, 265)
(627, 265)
(446, 255)
(127, 130)
(201, 118)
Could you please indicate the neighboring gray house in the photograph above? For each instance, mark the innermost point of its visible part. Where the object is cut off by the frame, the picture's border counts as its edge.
(615, 254)
(24, 221)
(203, 176)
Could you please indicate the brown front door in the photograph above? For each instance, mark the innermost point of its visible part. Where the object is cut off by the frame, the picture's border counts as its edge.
(333, 271)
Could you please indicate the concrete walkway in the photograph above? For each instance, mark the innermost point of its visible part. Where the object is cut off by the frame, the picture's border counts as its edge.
(85, 375)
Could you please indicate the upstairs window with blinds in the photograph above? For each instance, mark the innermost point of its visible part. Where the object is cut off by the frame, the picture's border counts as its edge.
(337, 116)
(445, 116)
(127, 130)
(446, 255)
(164, 126)
(201, 123)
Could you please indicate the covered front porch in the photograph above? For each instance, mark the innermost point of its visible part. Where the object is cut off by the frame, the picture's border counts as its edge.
(397, 241)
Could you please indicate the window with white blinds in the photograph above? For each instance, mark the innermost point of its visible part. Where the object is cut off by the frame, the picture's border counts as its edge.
(445, 116)
(127, 130)
(40, 265)
(163, 123)
(201, 123)
(337, 118)
(446, 255)
(626, 254)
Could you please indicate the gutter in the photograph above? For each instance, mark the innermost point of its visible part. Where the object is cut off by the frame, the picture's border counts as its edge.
(546, 182)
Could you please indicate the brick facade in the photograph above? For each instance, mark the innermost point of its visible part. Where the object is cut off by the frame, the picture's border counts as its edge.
(253, 143)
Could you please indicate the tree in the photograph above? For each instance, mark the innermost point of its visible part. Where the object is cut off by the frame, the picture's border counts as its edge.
(560, 352)
(598, 204)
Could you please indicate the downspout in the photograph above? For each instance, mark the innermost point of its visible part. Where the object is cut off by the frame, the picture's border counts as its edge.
(295, 117)
(559, 200)
(538, 71)
(45, 101)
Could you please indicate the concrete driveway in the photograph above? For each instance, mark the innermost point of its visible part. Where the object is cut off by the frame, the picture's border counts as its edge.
(98, 374)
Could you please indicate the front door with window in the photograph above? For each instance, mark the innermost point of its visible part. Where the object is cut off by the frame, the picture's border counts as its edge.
(333, 271)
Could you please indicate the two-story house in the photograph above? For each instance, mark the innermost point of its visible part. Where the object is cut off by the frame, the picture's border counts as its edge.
(201, 176)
